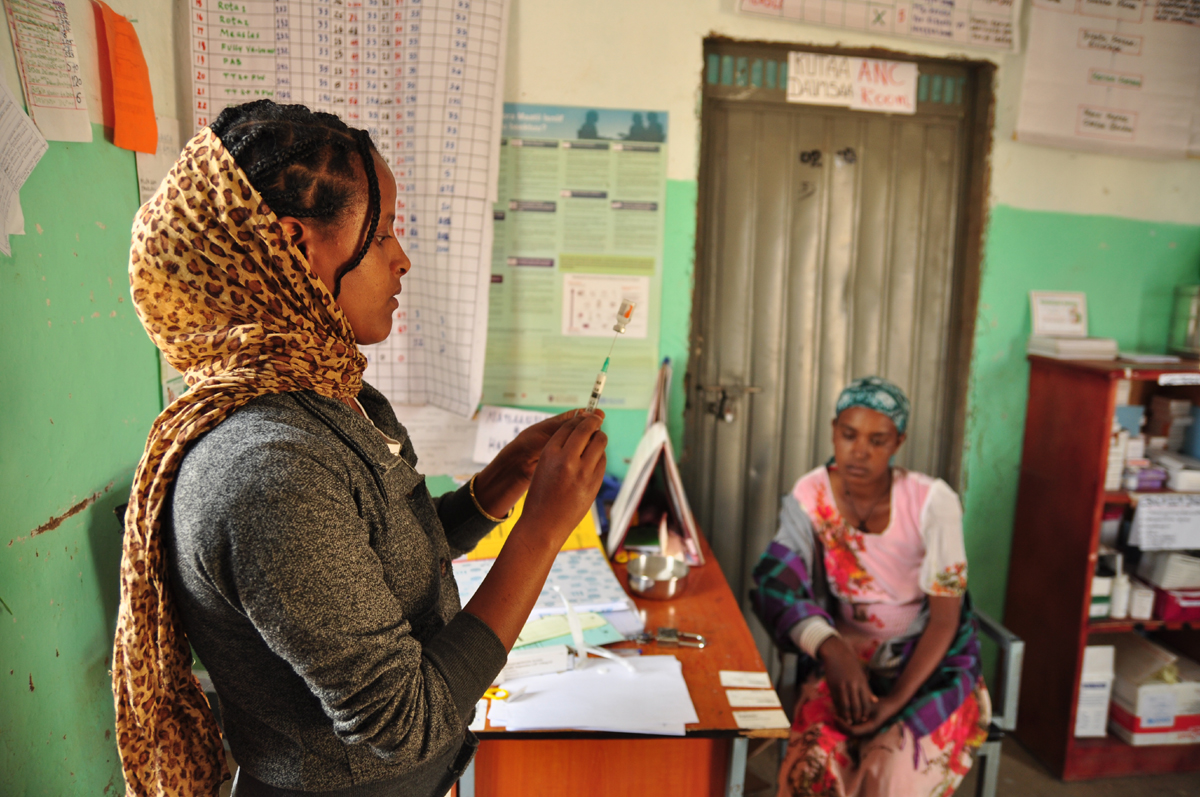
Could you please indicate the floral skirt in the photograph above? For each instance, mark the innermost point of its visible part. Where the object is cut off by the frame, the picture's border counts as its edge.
(822, 761)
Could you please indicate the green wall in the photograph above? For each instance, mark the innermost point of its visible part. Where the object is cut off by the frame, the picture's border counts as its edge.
(1128, 270)
(78, 392)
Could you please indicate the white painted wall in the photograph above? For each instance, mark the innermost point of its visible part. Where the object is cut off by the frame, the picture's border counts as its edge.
(649, 53)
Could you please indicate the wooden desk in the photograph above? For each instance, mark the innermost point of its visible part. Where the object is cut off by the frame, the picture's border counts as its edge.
(709, 760)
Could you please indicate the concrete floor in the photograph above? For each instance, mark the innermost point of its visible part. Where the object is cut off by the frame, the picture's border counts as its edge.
(1020, 776)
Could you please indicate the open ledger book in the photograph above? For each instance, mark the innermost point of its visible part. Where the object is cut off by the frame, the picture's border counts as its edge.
(654, 452)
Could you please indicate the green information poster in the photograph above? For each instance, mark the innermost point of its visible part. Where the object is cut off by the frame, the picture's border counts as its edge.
(578, 228)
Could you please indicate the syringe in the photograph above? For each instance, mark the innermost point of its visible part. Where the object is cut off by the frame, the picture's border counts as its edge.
(623, 315)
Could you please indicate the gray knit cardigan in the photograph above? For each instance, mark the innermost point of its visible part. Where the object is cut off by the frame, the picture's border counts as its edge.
(312, 572)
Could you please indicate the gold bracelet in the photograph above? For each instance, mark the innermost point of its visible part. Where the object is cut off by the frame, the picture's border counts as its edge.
(482, 511)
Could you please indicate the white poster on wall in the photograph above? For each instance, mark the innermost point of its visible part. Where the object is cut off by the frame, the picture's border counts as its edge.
(1119, 77)
(991, 24)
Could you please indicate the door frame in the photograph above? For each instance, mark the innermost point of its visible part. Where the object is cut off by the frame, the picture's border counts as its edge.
(969, 238)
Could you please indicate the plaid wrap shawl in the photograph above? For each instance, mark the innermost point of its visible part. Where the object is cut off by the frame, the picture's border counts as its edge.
(784, 596)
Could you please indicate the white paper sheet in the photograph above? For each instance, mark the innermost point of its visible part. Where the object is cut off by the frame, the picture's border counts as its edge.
(443, 440)
(752, 698)
(21, 147)
(745, 679)
(499, 426)
(151, 169)
(480, 720)
(991, 24)
(1111, 77)
(535, 661)
(864, 84)
(48, 61)
(1166, 521)
(604, 697)
(770, 718)
(426, 79)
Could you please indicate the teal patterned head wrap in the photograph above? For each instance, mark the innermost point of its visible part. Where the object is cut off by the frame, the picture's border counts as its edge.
(876, 393)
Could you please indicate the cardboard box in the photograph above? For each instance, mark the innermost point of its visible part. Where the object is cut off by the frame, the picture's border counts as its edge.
(1095, 689)
(1176, 605)
(1158, 713)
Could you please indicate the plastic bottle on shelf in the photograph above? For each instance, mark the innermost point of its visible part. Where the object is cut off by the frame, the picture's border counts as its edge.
(1119, 603)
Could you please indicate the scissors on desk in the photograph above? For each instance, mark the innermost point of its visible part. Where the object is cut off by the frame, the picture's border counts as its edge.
(672, 638)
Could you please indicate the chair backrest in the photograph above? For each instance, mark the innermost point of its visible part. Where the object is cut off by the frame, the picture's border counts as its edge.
(1007, 687)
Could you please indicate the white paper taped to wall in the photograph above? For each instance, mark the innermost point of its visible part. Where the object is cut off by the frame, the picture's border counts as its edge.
(49, 64)
(21, 147)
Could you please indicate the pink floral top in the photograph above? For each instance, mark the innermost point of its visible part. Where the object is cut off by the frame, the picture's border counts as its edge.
(881, 579)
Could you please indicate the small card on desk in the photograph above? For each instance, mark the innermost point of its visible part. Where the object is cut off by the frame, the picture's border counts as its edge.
(745, 680)
(753, 698)
(770, 718)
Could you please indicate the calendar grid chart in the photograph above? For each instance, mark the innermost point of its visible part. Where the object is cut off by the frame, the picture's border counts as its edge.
(421, 76)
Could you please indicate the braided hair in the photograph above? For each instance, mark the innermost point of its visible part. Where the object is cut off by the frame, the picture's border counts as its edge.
(301, 162)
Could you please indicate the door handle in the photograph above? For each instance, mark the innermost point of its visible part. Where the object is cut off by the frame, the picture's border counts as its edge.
(721, 400)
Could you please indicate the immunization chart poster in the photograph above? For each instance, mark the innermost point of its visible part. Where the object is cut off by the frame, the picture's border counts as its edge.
(990, 24)
(1116, 76)
(578, 228)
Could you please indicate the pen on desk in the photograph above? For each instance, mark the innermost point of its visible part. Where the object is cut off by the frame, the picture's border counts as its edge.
(624, 314)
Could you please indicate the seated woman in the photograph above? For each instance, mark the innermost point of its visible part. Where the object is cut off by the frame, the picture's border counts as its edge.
(867, 580)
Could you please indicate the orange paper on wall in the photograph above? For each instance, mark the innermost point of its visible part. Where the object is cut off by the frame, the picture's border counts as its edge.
(133, 105)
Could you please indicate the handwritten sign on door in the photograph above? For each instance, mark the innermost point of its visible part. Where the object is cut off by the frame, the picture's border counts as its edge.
(862, 84)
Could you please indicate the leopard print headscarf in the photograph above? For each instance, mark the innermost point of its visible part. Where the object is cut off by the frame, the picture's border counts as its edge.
(236, 308)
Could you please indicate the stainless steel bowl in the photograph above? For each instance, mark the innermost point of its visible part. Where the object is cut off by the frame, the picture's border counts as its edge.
(657, 577)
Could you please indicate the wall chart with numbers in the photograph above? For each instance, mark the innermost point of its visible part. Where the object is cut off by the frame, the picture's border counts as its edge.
(992, 24)
(425, 78)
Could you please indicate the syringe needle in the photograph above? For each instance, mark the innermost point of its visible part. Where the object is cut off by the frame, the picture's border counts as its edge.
(623, 315)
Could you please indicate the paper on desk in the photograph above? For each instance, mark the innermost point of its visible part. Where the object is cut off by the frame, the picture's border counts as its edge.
(480, 719)
(151, 169)
(499, 426)
(744, 679)
(48, 60)
(772, 718)
(535, 661)
(752, 698)
(596, 637)
(628, 623)
(583, 575)
(540, 629)
(602, 697)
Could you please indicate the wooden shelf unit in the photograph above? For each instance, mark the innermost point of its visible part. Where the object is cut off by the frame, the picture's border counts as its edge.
(1056, 533)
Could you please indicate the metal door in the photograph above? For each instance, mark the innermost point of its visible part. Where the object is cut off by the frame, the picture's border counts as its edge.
(829, 247)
